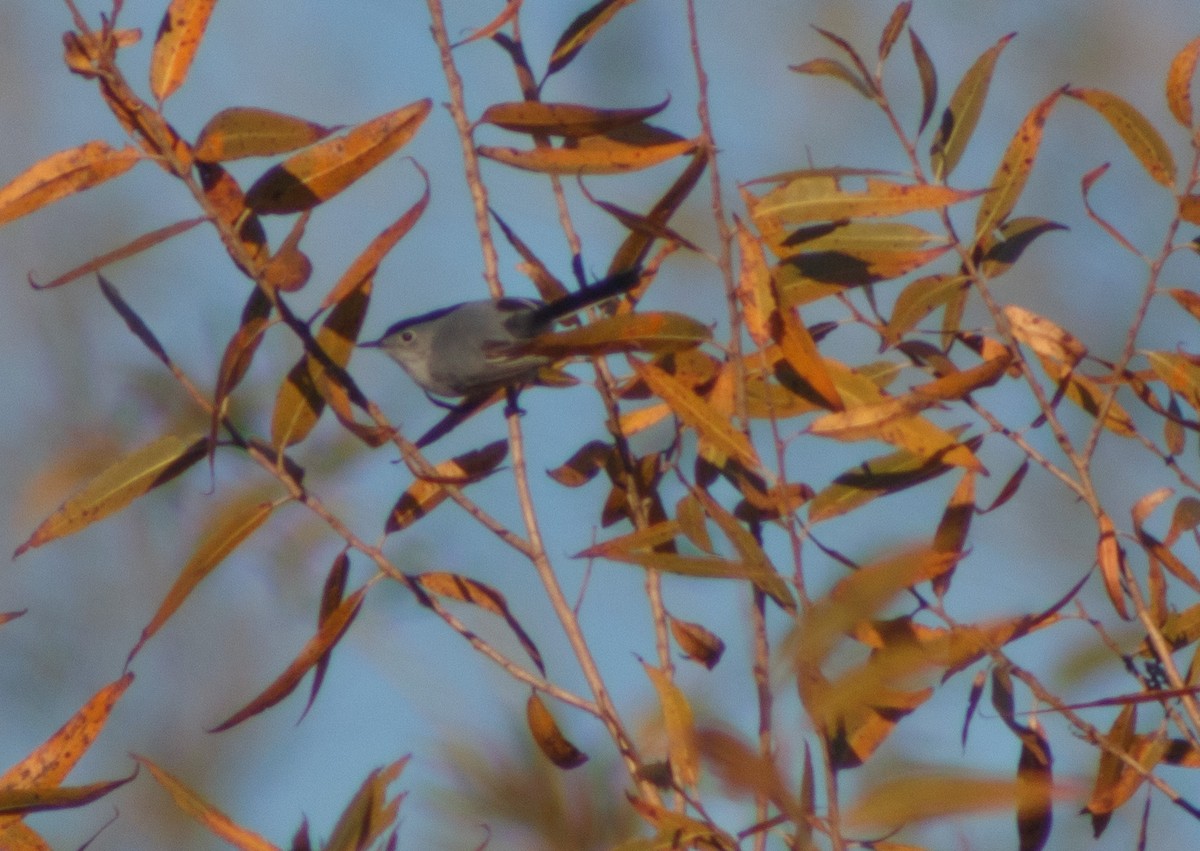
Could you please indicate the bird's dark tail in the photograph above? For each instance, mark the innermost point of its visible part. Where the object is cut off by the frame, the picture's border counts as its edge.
(613, 285)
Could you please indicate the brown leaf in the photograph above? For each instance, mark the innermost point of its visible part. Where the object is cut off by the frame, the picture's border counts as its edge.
(129, 249)
(40, 798)
(472, 591)
(952, 530)
(825, 67)
(928, 76)
(654, 333)
(549, 738)
(633, 251)
(321, 171)
(916, 797)
(564, 119)
(369, 813)
(745, 772)
(243, 131)
(697, 643)
(1111, 559)
(238, 355)
(328, 635)
(754, 285)
(508, 13)
(1138, 134)
(583, 465)
(62, 174)
(230, 525)
(1179, 82)
(1115, 781)
(426, 494)
(894, 27)
(582, 30)
(120, 484)
(808, 199)
(176, 44)
(962, 114)
(332, 594)
(214, 820)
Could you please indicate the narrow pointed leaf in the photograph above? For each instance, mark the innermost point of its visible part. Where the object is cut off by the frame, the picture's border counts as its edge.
(213, 819)
(616, 152)
(369, 813)
(321, 171)
(928, 76)
(477, 593)
(130, 249)
(825, 67)
(123, 482)
(62, 174)
(1111, 559)
(679, 725)
(582, 30)
(40, 798)
(798, 205)
(230, 526)
(426, 494)
(920, 298)
(243, 131)
(176, 44)
(564, 119)
(1013, 172)
(1138, 134)
(895, 26)
(332, 594)
(962, 115)
(656, 333)
(328, 635)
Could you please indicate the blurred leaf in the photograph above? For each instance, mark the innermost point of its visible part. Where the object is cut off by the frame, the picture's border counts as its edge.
(328, 634)
(129, 249)
(895, 26)
(697, 643)
(748, 547)
(745, 772)
(508, 13)
(424, 495)
(1189, 209)
(1138, 134)
(456, 587)
(321, 171)
(1013, 172)
(962, 114)
(120, 484)
(62, 174)
(369, 813)
(679, 725)
(230, 525)
(1179, 371)
(656, 333)
(1179, 82)
(217, 823)
(695, 412)
(583, 465)
(34, 799)
(633, 251)
(824, 67)
(564, 119)
(582, 30)
(935, 795)
(176, 44)
(549, 737)
(1185, 518)
(615, 152)
(1115, 781)
(689, 514)
(928, 76)
(244, 131)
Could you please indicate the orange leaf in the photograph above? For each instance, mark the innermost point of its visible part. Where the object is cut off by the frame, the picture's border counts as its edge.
(801, 354)
(472, 591)
(136, 246)
(1112, 561)
(176, 44)
(120, 484)
(321, 171)
(426, 494)
(1179, 82)
(1138, 134)
(62, 174)
(217, 822)
(243, 131)
(826, 201)
(492, 27)
(612, 153)
(549, 737)
(697, 643)
(657, 333)
(39, 798)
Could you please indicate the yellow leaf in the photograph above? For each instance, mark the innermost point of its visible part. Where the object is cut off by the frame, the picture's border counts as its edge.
(243, 131)
(321, 171)
(176, 44)
(962, 114)
(62, 174)
(695, 412)
(1138, 134)
(679, 725)
(217, 822)
(1013, 172)
(823, 200)
(120, 484)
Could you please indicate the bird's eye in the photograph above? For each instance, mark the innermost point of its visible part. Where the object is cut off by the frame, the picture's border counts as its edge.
(407, 336)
